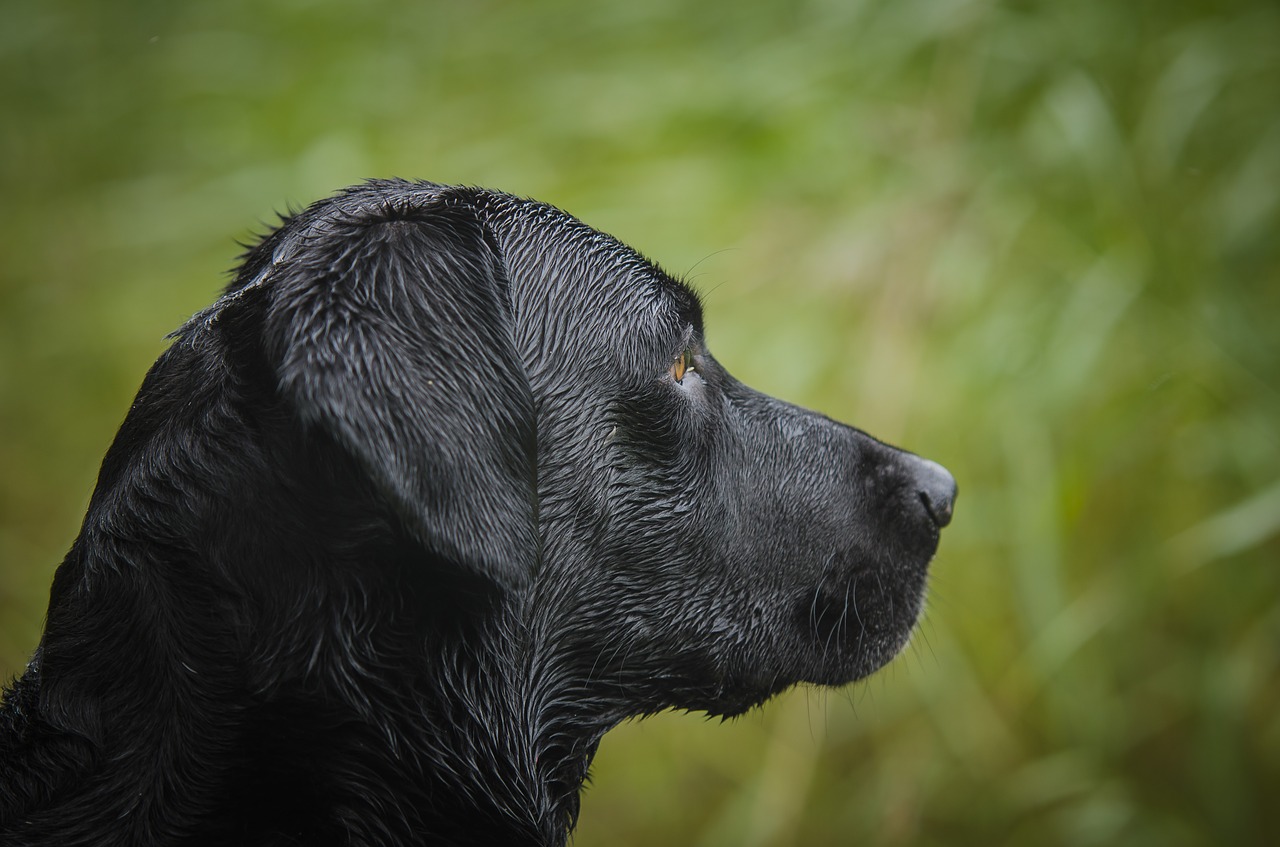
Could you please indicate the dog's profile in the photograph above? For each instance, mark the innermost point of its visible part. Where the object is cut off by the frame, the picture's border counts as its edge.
(442, 488)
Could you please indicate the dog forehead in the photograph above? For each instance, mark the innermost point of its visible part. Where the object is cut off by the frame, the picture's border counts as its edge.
(568, 275)
(568, 285)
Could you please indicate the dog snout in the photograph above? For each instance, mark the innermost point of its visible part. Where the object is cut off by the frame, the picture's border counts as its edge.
(936, 488)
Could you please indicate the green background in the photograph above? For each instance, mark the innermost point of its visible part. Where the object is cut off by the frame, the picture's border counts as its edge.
(1038, 242)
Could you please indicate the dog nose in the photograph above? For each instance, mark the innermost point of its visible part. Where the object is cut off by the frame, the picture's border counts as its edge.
(937, 489)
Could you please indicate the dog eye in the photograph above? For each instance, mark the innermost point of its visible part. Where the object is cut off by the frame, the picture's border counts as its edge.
(682, 364)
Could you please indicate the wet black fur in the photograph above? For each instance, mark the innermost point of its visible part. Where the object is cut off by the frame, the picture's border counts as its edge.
(399, 527)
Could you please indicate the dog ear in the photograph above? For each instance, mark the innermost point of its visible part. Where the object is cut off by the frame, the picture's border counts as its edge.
(393, 333)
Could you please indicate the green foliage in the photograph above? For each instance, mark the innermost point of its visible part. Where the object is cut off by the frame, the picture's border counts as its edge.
(1037, 242)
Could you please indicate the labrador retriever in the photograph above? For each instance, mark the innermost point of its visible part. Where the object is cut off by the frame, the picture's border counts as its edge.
(443, 487)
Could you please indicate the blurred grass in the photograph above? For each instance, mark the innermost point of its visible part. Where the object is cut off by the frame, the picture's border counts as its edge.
(1037, 242)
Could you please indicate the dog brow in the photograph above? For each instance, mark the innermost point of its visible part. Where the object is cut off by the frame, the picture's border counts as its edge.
(687, 302)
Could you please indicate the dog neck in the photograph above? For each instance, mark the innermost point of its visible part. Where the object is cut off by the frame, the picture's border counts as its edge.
(502, 722)
(508, 740)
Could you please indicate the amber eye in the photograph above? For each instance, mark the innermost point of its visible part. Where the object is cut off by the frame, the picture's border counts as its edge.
(683, 363)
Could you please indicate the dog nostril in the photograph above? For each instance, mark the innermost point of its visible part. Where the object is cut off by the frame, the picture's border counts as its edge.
(937, 489)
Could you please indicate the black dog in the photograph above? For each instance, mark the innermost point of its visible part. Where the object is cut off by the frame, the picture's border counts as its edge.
(442, 488)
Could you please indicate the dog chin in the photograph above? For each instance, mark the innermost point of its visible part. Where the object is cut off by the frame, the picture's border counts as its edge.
(847, 644)
(834, 672)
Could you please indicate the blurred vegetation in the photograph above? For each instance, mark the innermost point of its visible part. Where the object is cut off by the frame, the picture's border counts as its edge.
(1038, 242)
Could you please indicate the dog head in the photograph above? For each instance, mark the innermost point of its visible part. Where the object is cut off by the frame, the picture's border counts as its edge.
(539, 405)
